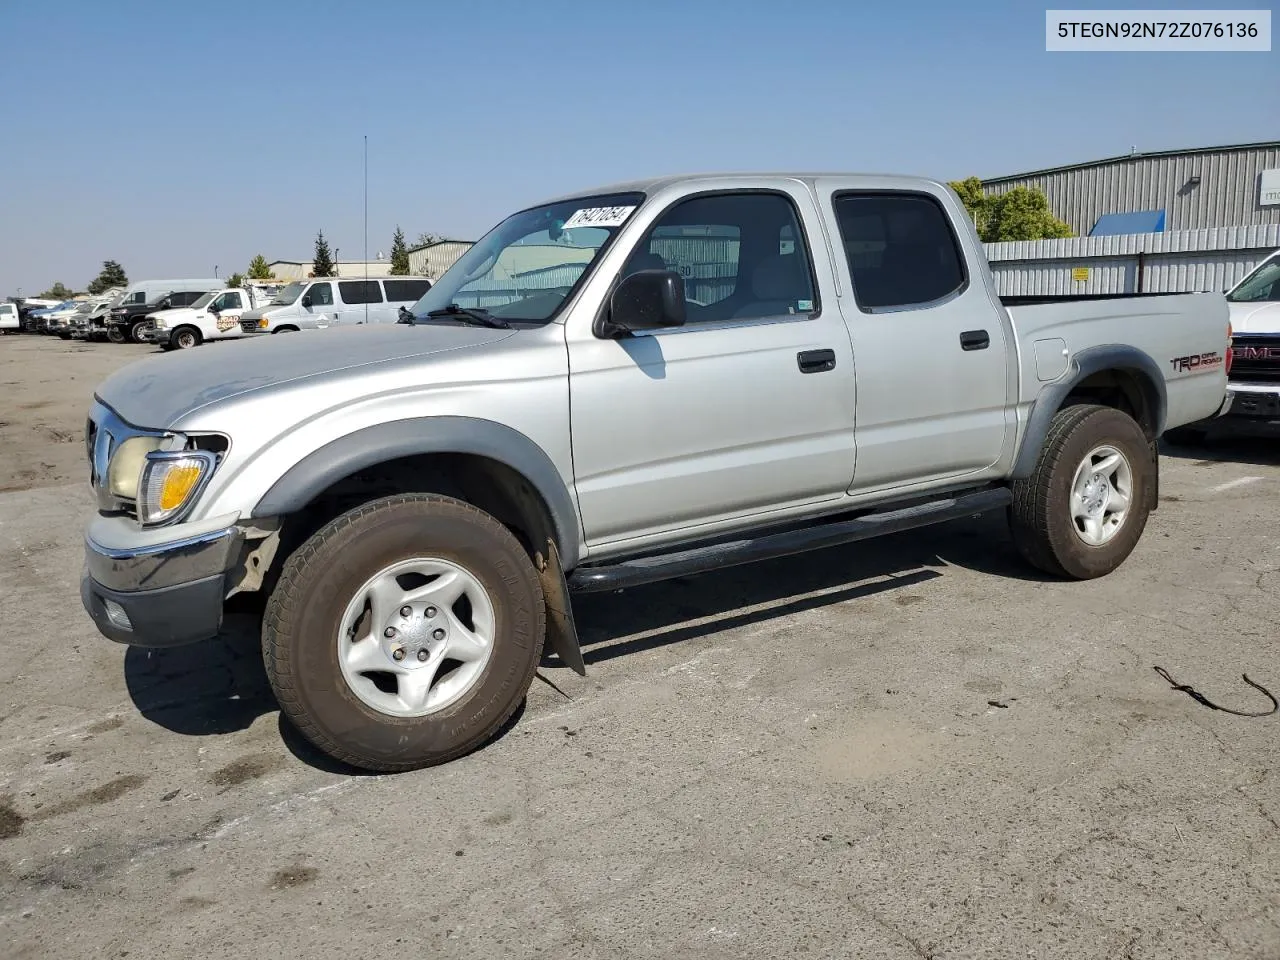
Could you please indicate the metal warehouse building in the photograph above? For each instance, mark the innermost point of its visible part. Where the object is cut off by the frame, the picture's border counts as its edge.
(1167, 222)
(1165, 191)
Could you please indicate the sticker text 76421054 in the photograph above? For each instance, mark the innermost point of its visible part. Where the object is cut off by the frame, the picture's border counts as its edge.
(598, 217)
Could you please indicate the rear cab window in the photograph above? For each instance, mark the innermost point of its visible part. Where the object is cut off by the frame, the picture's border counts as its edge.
(901, 249)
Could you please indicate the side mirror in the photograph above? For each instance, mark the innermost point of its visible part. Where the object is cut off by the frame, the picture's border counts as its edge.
(646, 300)
(306, 300)
(405, 316)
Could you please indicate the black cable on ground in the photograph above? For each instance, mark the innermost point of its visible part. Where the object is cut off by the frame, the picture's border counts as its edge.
(1199, 697)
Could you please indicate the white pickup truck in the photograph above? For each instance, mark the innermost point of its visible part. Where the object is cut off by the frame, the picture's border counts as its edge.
(673, 376)
(215, 316)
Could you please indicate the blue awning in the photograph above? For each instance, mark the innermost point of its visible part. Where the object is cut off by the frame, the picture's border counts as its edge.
(1141, 221)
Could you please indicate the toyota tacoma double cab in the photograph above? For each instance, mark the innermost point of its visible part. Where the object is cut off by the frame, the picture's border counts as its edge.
(615, 387)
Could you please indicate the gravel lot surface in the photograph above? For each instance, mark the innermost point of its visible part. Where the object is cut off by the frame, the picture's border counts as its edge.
(914, 747)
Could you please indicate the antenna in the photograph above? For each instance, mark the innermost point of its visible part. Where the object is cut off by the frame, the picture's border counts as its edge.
(366, 228)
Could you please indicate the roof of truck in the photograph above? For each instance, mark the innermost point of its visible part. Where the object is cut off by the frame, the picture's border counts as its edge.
(892, 181)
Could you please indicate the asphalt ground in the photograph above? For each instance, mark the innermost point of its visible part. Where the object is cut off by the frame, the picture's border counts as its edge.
(912, 747)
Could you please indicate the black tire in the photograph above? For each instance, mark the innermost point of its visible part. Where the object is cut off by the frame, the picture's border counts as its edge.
(116, 335)
(303, 614)
(135, 333)
(1040, 517)
(185, 338)
(285, 330)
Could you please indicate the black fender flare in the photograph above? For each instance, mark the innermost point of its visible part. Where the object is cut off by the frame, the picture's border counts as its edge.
(1091, 360)
(415, 436)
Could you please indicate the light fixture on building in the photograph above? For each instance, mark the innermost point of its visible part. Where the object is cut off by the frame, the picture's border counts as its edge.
(1194, 181)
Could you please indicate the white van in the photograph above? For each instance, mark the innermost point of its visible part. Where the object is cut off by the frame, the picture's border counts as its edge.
(330, 302)
(9, 318)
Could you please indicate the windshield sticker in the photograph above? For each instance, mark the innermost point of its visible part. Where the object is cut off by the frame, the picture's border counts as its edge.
(599, 217)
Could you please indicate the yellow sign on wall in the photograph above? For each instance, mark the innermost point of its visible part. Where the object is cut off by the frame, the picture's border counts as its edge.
(1080, 274)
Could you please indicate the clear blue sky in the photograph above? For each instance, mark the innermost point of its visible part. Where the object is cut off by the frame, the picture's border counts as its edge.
(174, 136)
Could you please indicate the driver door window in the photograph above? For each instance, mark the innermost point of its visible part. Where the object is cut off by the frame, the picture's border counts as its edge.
(321, 295)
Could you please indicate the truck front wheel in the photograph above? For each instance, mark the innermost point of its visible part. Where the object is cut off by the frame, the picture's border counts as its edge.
(184, 338)
(116, 335)
(404, 633)
(1085, 505)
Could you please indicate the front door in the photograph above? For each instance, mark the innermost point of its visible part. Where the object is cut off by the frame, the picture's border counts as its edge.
(318, 307)
(746, 409)
(930, 347)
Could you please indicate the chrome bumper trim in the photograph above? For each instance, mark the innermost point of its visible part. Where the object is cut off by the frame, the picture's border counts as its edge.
(154, 566)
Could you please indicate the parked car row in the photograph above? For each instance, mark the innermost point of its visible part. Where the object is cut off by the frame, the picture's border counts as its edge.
(184, 313)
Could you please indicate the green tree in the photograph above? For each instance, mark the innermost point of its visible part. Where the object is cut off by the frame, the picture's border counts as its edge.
(1019, 214)
(112, 275)
(424, 239)
(57, 292)
(236, 280)
(1023, 214)
(399, 255)
(259, 270)
(322, 263)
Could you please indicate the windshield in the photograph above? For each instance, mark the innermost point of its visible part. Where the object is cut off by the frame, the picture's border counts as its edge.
(288, 295)
(526, 267)
(204, 301)
(1262, 284)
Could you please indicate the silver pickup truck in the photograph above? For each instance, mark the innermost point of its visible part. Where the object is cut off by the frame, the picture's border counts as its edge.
(628, 384)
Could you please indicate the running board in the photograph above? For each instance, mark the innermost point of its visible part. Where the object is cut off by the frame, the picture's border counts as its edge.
(633, 573)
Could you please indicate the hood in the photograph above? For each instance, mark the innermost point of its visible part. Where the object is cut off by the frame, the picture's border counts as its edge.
(173, 313)
(1259, 317)
(159, 390)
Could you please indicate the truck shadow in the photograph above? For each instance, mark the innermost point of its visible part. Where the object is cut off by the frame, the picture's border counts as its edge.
(661, 614)
(1258, 451)
(220, 687)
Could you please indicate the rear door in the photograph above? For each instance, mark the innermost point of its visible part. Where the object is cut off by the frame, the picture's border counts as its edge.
(359, 301)
(930, 348)
(402, 292)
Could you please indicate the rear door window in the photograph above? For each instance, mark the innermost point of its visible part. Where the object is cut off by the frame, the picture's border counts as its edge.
(405, 291)
(900, 248)
(359, 291)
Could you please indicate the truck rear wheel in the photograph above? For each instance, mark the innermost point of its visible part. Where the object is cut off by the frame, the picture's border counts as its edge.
(404, 633)
(1085, 505)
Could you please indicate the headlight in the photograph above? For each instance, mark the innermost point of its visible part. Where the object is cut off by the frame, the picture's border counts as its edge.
(160, 323)
(170, 482)
(264, 323)
(127, 463)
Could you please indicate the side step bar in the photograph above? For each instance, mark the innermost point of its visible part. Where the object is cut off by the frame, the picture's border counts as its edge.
(633, 573)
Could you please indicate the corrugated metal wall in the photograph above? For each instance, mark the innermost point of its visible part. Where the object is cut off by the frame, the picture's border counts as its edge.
(434, 260)
(1186, 262)
(1227, 195)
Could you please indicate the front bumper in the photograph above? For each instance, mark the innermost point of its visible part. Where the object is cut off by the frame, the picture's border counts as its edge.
(158, 594)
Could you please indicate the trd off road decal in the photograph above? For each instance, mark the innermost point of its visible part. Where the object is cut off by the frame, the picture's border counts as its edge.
(1196, 361)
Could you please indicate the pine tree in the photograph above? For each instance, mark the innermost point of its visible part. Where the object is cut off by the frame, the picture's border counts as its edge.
(258, 269)
(322, 265)
(399, 255)
(236, 280)
(112, 275)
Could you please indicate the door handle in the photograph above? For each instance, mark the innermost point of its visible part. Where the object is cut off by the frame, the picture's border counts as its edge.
(816, 361)
(975, 340)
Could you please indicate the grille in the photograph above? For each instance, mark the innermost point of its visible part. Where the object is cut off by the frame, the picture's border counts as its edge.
(248, 326)
(1255, 359)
